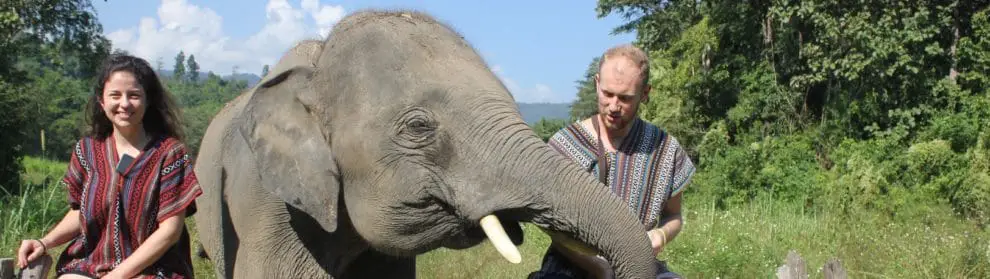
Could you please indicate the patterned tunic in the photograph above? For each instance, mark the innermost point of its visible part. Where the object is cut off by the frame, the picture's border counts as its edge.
(120, 211)
(647, 168)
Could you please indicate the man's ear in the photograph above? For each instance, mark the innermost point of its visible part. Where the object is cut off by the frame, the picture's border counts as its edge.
(290, 147)
(646, 93)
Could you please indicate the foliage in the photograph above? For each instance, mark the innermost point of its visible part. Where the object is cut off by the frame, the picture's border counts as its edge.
(546, 128)
(179, 69)
(48, 46)
(586, 104)
(193, 68)
(678, 70)
(13, 117)
(58, 113)
(200, 101)
(840, 108)
(60, 34)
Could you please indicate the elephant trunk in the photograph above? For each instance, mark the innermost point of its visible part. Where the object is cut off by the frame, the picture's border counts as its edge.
(531, 182)
(555, 194)
(580, 207)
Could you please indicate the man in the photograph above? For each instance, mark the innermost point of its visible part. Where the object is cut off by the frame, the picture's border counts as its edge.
(642, 164)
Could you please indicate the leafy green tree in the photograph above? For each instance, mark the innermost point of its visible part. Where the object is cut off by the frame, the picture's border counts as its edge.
(179, 69)
(264, 70)
(40, 38)
(586, 103)
(14, 118)
(60, 115)
(546, 128)
(657, 23)
(193, 68)
(888, 99)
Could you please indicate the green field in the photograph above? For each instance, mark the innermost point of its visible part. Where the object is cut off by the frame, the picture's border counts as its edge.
(742, 242)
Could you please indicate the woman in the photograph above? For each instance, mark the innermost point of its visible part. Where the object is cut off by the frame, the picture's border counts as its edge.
(130, 183)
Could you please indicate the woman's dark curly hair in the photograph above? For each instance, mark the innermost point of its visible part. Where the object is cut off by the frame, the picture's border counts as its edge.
(161, 118)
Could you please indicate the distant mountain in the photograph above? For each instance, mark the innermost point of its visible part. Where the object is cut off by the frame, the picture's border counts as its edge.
(249, 77)
(532, 112)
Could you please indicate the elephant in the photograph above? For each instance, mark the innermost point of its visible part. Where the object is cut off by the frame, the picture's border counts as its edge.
(386, 140)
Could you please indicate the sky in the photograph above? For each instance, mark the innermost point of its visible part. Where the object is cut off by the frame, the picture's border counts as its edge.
(538, 48)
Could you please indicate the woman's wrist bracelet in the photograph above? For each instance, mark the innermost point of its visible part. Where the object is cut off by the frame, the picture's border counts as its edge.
(44, 248)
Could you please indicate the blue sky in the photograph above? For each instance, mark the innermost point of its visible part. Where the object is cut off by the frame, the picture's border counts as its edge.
(538, 48)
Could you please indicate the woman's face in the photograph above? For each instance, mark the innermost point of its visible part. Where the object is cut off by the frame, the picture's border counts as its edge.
(124, 101)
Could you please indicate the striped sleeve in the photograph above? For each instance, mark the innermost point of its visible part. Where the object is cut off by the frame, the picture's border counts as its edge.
(683, 168)
(571, 143)
(179, 186)
(75, 174)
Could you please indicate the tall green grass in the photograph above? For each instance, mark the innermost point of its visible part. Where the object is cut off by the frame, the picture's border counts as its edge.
(751, 241)
(40, 205)
(748, 241)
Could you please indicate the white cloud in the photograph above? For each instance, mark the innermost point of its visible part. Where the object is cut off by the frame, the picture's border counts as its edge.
(539, 93)
(325, 16)
(198, 31)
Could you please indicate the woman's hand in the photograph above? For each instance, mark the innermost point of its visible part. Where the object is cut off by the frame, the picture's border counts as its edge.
(30, 250)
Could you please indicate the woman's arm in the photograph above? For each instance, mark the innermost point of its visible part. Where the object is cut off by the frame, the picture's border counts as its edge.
(167, 234)
(65, 230)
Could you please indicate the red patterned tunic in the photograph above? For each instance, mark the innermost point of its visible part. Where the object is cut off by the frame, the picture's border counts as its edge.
(119, 211)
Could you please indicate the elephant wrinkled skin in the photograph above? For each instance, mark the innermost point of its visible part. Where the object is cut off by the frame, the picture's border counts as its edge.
(389, 139)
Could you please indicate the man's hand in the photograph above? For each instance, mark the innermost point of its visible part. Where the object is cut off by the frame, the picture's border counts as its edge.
(657, 240)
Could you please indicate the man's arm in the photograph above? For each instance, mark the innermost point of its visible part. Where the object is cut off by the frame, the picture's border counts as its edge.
(579, 255)
(670, 225)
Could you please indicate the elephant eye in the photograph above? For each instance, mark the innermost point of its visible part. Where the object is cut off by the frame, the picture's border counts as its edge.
(416, 128)
(419, 126)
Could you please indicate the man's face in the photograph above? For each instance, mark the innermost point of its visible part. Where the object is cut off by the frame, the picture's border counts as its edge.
(618, 93)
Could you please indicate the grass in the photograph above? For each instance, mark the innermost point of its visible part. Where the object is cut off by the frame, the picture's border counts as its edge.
(747, 241)
(753, 240)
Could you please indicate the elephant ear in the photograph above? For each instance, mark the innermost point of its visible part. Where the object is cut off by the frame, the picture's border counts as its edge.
(290, 148)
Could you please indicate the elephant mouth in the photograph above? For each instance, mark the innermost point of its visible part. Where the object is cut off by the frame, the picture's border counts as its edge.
(474, 232)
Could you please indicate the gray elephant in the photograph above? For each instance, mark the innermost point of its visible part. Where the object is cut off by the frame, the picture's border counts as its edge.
(388, 140)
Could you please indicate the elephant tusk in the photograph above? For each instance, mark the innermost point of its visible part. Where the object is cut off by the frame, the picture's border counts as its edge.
(496, 234)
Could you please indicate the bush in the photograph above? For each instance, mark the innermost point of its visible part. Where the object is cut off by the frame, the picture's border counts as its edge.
(12, 122)
(783, 167)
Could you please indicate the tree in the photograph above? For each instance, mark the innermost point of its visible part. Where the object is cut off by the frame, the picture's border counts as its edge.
(179, 70)
(264, 70)
(13, 119)
(193, 69)
(159, 65)
(64, 34)
(656, 23)
(117, 51)
(586, 104)
(60, 37)
(546, 128)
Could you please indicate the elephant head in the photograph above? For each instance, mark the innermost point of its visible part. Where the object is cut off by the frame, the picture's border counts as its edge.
(399, 124)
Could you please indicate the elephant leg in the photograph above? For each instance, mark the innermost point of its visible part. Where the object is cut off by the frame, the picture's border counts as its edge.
(374, 264)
